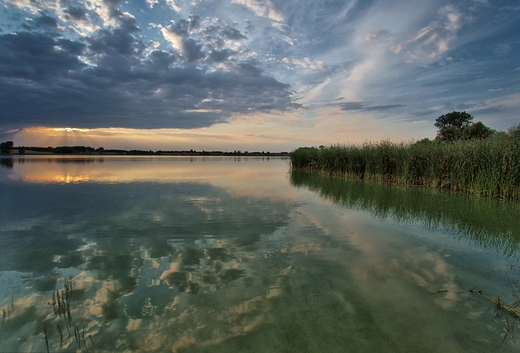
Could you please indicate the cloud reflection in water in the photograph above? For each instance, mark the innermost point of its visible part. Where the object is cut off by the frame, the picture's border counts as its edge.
(223, 255)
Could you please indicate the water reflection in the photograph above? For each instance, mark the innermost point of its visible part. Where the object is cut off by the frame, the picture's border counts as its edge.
(6, 162)
(133, 248)
(172, 254)
(490, 223)
(122, 169)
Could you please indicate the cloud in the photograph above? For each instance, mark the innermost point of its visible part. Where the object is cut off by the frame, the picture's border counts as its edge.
(173, 5)
(196, 40)
(46, 22)
(31, 57)
(306, 63)
(359, 106)
(221, 55)
(113, 76)
(178, 34)
(433, 40)
(112, 42)
(264, 8)
(197, 63)
(152, 3)
(76, 12)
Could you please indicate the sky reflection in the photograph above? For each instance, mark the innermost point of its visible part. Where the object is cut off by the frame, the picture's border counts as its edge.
(115, 169)
(224, 255)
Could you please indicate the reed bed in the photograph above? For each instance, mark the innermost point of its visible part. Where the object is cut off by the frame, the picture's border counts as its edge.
(488, 168)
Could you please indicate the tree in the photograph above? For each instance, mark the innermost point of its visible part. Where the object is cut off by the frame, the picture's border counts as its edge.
(514, 131)
(449, 134)
(460, 120)
(451, 125)
(5, 147)
(477, 131)
(423, 142)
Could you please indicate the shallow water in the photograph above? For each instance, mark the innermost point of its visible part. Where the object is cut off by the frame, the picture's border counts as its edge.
(237, 254)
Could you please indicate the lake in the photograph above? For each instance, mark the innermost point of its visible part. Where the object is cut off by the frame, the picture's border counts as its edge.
(236, 254)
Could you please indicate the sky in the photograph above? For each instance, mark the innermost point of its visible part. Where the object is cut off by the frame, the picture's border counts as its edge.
(256, 75)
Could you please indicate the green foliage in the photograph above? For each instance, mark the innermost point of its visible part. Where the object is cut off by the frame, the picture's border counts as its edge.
(459, 120)
(489, 167)
(477, 131)
(424, 141)
(5, 147)
(457, 126)
(73, 150)
(449, 134)
(514, 131)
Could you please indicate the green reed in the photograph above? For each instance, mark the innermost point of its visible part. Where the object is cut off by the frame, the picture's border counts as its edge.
(489, 168)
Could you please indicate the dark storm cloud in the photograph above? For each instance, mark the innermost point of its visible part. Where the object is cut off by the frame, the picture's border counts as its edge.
(35, 57)
(112, 77)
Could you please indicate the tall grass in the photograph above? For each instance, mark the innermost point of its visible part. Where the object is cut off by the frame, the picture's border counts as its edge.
(489, 168)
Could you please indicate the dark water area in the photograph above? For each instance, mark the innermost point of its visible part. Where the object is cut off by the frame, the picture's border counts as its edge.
(231, 254)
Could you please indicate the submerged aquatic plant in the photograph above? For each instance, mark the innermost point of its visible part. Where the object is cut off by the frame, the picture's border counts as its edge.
(61, 304)
(501, 308)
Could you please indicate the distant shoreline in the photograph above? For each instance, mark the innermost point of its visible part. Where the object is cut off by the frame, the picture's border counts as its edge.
(88, 151)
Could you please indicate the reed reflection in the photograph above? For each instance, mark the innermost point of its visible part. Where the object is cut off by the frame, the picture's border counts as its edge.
(490, 223)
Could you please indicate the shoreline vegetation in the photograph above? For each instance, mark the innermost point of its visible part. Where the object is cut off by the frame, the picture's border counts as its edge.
(484, 168)
(465, 157)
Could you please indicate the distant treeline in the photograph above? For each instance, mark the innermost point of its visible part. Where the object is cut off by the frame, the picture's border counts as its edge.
(9, 148)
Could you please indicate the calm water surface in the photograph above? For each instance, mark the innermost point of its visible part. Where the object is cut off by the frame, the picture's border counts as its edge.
(174, 254)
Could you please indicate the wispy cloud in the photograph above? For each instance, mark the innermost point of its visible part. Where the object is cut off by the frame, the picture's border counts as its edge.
(433, 40)
(358, 106)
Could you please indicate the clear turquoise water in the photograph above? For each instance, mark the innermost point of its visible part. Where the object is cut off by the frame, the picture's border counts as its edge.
(175, 254)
